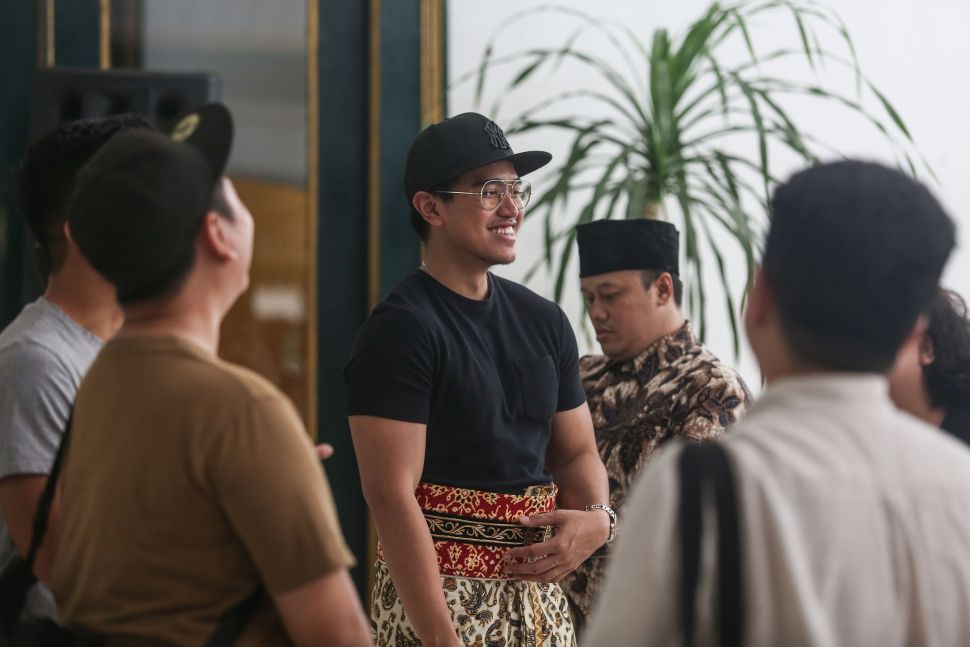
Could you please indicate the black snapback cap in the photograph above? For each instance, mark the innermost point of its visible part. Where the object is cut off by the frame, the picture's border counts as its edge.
(140, 200)
(445, 150)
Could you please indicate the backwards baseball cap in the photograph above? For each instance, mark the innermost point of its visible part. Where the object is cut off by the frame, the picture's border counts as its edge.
(445, 150)
(614, 245)
(141, 199)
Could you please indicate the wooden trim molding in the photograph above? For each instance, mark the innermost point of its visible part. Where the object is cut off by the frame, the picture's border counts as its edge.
(312, 215)
(432, 61)
(374, 159)
(45, 33)
(104, 35)
(373, 209)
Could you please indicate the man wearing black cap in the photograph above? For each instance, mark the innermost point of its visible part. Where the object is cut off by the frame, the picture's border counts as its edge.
(191, 492)
(468, 417)
(654, 381)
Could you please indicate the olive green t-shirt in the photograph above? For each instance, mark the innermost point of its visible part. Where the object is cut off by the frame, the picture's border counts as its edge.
(188, 482)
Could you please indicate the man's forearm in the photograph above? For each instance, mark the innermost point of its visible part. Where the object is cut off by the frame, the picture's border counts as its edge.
(411, 559)
(582, 481)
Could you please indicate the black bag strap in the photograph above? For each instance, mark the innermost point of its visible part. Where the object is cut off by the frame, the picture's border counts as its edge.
(706, 467)
(19, 576)
(689, 522)
(42, 514)
(234, 621)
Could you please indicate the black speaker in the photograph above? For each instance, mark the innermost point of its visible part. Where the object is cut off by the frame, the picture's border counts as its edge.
(65, 94)
(59, 95)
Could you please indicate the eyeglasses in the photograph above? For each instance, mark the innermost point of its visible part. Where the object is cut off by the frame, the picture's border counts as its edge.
(494, 191)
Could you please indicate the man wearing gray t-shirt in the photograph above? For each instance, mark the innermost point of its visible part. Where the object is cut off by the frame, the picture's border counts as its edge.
(46, 350)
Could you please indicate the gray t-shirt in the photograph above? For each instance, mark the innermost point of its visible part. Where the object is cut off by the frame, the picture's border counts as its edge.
(43, 356)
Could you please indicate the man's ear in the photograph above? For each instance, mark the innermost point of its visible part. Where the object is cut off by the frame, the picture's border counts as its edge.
(927, 354)
(213, 237)
(761, 302)
(664, 289)
(426, 204)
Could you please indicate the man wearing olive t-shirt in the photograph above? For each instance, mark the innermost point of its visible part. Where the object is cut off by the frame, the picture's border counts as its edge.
(470, 424)
(190, 485)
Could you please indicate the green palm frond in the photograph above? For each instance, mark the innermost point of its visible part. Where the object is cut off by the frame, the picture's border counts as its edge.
(669, 107)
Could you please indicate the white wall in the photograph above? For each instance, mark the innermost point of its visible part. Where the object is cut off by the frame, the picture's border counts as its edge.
(915, 52)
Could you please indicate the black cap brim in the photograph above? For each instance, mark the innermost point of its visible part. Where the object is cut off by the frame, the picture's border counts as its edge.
(525, 162)
(529, 161)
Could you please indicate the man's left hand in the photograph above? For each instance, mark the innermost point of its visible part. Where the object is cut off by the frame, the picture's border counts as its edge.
(577, 534)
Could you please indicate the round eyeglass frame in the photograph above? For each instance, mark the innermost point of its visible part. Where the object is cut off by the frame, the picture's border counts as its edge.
(508, 185)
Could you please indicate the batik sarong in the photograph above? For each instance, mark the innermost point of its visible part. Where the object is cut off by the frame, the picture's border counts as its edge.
(471, 530)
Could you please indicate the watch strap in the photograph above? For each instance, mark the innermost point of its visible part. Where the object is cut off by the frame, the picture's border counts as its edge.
(611, 513)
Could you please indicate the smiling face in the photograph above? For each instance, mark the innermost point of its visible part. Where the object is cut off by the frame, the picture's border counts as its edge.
(626, 316)
(465, 229)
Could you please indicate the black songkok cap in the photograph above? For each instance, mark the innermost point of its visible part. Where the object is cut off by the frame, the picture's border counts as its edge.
(614, 245)
(445, 150)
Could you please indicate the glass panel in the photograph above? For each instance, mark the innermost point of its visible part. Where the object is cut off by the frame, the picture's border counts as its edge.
(259, 49)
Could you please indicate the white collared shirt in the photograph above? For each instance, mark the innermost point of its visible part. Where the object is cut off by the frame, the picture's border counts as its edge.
(856, 528)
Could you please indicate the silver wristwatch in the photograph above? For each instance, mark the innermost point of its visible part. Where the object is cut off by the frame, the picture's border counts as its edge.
(608, 510)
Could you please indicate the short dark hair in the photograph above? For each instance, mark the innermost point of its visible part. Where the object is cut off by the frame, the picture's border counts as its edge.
(175, 280)
(46, 176)
(853, 256)
(947, 378)
(649, 277)
(418, 223)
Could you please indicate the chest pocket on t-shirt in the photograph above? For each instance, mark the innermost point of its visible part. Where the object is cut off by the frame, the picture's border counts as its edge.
(539, 387)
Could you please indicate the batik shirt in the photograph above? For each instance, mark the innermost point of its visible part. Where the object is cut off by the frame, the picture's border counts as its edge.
(675, 388)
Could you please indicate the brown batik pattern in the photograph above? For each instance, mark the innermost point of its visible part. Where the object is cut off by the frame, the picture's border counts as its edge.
(674, 388)
(486, 613)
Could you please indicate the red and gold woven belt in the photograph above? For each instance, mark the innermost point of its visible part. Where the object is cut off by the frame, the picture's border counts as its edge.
(472, 529)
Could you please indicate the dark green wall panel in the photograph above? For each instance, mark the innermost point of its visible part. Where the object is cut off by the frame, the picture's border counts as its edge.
(345, 114)
(76, 44)
(18, 52)
(400, 106)
(342, 247)
(78, 33)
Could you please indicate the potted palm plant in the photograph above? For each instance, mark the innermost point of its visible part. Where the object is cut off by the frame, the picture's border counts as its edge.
(683, 131)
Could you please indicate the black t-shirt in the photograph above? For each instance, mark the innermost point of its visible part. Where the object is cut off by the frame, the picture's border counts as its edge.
(485, 377)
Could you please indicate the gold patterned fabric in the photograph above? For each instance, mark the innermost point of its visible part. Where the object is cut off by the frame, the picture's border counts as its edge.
(485, 612)
(675, 388)
(472, 529)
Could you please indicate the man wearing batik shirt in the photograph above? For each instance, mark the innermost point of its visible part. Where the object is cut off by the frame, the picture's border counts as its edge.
(654, 381)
